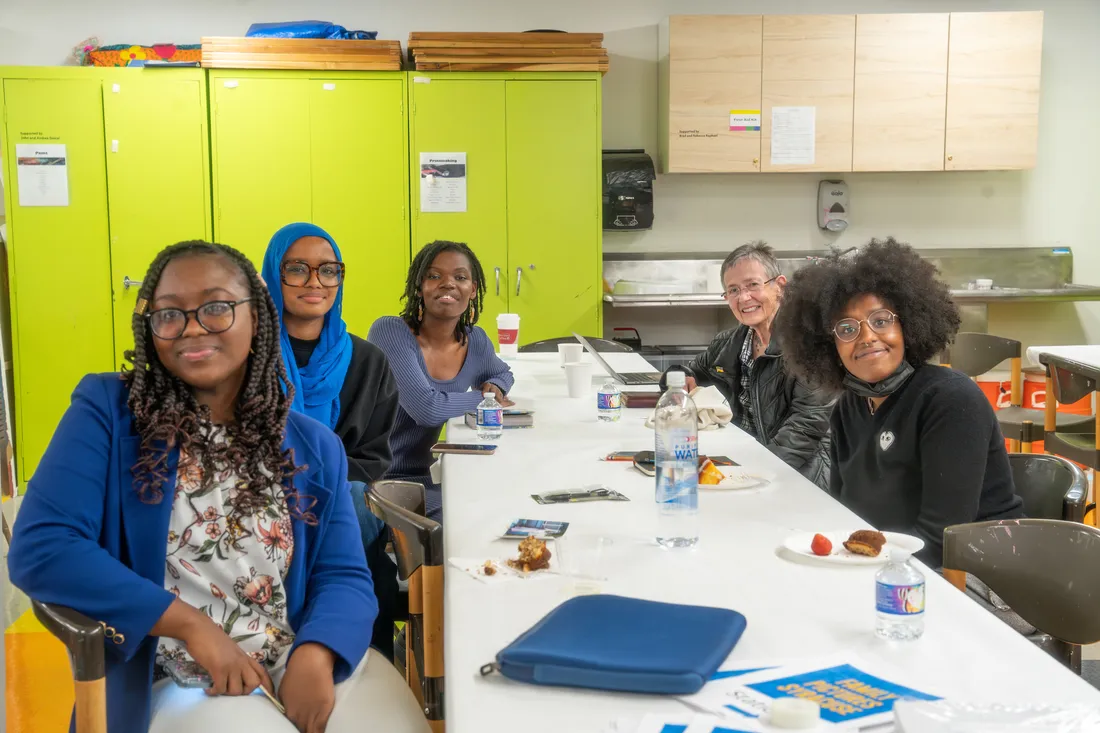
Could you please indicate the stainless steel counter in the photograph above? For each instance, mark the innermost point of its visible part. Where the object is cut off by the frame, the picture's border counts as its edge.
(1065, 294)
(1019, 274)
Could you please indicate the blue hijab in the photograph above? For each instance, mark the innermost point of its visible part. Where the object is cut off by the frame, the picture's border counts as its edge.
(316, 385)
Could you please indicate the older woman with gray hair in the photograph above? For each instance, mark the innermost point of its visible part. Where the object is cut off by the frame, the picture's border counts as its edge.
(746, 365)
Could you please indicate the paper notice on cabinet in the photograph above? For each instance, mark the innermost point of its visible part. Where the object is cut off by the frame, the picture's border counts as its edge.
(443, 182)
(42, 175)
(793, 135)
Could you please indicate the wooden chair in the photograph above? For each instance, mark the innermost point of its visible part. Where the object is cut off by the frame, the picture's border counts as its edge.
(1044, 569)
(1069, 381)
(1051, 486)
(974, 354)
(418, 547)
(603, 346)
(84, 639)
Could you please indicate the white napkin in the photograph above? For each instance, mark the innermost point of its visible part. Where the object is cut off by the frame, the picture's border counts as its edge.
(714, 411)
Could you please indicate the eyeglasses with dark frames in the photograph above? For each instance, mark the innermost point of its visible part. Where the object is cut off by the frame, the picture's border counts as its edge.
(847, 329)
(753, 287)
(215, 317)
(297, 273)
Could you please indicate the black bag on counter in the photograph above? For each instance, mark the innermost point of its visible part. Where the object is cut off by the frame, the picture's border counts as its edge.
(627, 190)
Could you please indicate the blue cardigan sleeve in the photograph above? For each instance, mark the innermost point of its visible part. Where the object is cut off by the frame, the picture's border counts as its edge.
(55, 554)
(426, 404)
(340, 606)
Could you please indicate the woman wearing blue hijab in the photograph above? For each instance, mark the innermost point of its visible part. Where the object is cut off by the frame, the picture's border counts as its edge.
(339, 379)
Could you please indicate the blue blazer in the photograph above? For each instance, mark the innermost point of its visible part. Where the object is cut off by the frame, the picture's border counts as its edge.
(84, 539)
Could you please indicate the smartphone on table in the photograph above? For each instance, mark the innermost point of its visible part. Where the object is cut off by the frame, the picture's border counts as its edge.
(472, 449)
(189, 674)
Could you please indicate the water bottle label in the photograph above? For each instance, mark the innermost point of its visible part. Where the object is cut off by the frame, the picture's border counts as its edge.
(492, 417)
(899, 600)
(608, 401)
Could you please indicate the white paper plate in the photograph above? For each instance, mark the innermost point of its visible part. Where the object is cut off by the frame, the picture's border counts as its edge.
(738, 479)
(799, 544)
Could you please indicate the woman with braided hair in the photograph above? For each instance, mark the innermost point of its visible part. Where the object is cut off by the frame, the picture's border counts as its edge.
(440, 358)
(207, 528)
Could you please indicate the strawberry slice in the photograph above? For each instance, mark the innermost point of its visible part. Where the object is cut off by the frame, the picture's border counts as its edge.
(821, 545)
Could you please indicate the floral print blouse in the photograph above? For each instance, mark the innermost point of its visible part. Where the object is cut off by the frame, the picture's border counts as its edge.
(230, 566)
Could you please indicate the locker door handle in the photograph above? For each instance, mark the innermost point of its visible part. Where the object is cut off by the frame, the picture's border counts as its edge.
(519, 276)
(127, 283)
(497, 269)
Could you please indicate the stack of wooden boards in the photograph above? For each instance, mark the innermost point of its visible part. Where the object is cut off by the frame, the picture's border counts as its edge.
(300, 53)
(508, 52)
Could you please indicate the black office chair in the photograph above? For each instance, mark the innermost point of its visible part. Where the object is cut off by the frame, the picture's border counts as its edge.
(974, 354)
(1051, 487)
(604, 346)
(1044, 569)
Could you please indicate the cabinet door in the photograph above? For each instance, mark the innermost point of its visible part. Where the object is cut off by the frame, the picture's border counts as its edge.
(466, 116)
(261, 159)
(59, 261)
(554, 224)
(900, 92)
(360, 189)
(994, 63)
(714, 72)
(157, 178)
(808, 62)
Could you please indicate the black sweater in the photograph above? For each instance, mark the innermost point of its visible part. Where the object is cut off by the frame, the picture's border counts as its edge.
(368, 406)
(931, 456)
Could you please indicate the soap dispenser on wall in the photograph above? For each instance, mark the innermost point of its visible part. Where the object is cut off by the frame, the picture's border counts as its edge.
(832, 205)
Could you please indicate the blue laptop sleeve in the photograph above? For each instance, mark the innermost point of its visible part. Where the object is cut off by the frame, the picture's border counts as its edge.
(610, 642)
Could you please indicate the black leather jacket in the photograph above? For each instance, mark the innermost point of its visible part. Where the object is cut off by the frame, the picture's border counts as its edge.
(792, 420)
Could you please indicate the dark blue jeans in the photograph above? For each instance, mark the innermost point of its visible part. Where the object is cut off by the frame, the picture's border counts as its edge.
(382, 569)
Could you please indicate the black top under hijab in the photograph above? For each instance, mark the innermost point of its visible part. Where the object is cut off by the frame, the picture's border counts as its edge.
(368, 406)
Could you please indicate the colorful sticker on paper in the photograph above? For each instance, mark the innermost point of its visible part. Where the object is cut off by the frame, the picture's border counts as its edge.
(744, 120)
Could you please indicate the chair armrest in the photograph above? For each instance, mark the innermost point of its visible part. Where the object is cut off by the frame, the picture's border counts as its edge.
(83, 637)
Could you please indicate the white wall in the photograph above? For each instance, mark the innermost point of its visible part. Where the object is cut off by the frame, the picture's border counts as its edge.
(1055, 204)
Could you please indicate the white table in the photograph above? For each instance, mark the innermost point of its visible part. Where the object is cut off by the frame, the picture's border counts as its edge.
(793, 610)
(1087, 355)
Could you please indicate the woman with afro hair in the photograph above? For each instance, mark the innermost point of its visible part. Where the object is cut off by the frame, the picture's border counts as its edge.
(915, 447)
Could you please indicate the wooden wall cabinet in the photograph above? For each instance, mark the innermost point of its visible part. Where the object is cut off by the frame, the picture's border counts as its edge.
(900, 92)
(994, 65)
(886, 92)
(710, 72)
(808, 62)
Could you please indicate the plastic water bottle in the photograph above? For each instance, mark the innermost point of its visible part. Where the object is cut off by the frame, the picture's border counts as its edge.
(677, 454)
(899, 599)
(490, 417)
(609, 403)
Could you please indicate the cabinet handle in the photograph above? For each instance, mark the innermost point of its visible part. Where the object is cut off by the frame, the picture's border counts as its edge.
(519, 275)
(497, 269)
(127, 283)
(951, 157)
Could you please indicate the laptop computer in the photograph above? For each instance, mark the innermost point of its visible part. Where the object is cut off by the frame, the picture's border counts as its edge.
(630, 379)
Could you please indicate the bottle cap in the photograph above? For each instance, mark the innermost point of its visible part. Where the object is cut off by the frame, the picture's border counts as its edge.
(487, 394)
(676, 379)
(898, 554)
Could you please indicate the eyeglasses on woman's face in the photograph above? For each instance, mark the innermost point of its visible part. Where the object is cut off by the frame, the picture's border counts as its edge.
(297, 273)
(752, 287)
(881, 321)
(215, 317)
